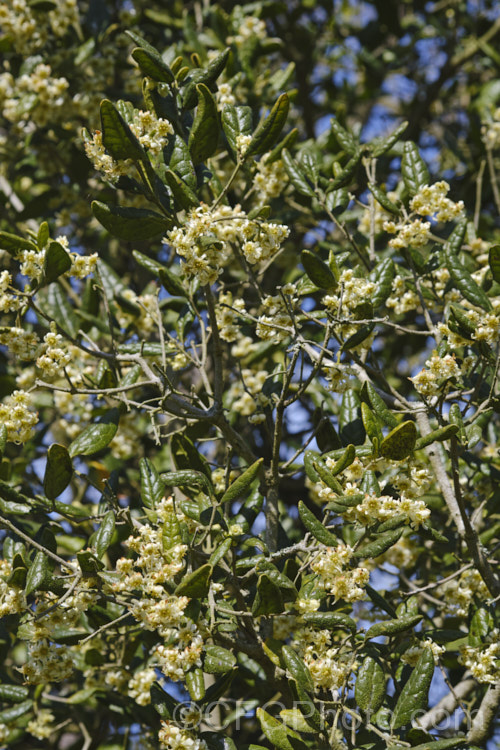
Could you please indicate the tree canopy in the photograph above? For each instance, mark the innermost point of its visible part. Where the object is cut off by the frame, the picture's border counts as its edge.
(249, 348)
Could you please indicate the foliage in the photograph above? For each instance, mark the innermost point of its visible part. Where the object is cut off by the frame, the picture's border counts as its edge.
(249, 375)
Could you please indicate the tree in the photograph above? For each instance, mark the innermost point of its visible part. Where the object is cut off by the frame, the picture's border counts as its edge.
(250, 342)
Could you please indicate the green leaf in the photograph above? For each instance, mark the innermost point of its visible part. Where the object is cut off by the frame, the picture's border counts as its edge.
(172, 283)
(220, 551)
(459, 322)
(130, 224)
(186, 455)
(437, 436)
(445, 744)
(152, 65)
(187, 478)
(400, 442)
(329, 620)
(204, 134)
(179, 161)
(236, 121)
(171, 534)
(13, 693)
(415, 693)
(38, 573)
(9, 715)
(55, 303)
(371, 424)
(242, 483)
(315, 527)
(413, 168)
(195, 683)
(378, 405)
(287, 142)
(351, 425)
(58, 471)
(298, 669)
(343, 137)
(117, 138)
(268, 599)
(392, 627)
(369, 689)
(379, 545)
(383, 275)
(465, 283)
(494, 261)
(277, 733)
(318, 271)
(344, 461)
(56, 262)
(218, 660)
(297, 175)
(152, 486)
(183, 194)
(382, 145)
(196, 584)
(43, 235)
(382, 198)
(357, 338)
(481, 625)
(267, 132)
(296, 720)
(104, 534)
(207, 75)
(456, 239)
(96, 436)
(13, 244)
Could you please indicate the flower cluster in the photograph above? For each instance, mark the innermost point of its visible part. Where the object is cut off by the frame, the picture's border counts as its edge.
(36, 95)
(460, 592)
(335, 577)
(17, 416)
(173, 737)
(152, 605)
(54, 355)
(246, 396)
(275, 323)
(270, 179)
(227, 315)
(42, 726)
(483, 661)
(151, 131)
(353, 291)
(431, 200)
(374, 508)
(205, 240)
(12, 599)
(329, 666)
(414, 233)
(438, 370)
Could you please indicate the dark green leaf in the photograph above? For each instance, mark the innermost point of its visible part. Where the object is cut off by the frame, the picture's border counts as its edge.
(318, 271)
(297, 175)
(413, 168)
(104, 534)
(130, 224)
(218, 660)
(152, 486)
(329, 620)
(466, 284)
(14, 244)
(96, 436)
(343, 137)
(236, 121)
(184, 196)
(268, 130)
(315, 527)
(379, 545)
(400, 442)
(268, 599)
(392, 627)
(152, 65)
(117, 138)
(204, 134)
(494, 260)
(196, 584)
(370, 686)
(58, 471)
(298, 669)
(414, 694)
(242, 483)
(38, 573)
